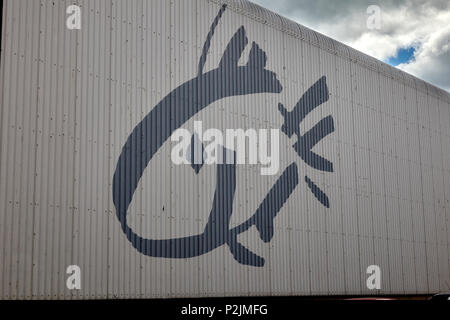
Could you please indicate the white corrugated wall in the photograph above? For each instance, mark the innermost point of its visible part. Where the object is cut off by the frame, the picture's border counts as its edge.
(70, 99)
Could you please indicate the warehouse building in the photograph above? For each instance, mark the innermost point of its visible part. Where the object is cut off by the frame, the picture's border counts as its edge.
(93, 205)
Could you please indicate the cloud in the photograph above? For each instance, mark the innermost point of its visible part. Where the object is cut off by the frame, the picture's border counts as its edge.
(419, 24)
(432, 60)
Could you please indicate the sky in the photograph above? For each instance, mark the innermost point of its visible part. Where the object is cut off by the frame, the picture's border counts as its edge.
(412, 35)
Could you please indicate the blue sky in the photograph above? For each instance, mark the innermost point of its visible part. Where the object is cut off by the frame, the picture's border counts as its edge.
(414, 35)
(403, 55)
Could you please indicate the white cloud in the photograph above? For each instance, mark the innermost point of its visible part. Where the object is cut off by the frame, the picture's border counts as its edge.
(432, 60)
(422, 24)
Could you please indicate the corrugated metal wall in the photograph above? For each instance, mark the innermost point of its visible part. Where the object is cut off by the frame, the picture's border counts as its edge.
(71, 98)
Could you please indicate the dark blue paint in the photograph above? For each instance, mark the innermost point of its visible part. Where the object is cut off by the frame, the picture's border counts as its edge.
(228, 80)
(196, 156)
(319, 194)
(311, 99)
(180, 105)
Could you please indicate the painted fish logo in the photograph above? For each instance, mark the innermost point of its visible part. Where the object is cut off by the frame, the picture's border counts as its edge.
(227, 80)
